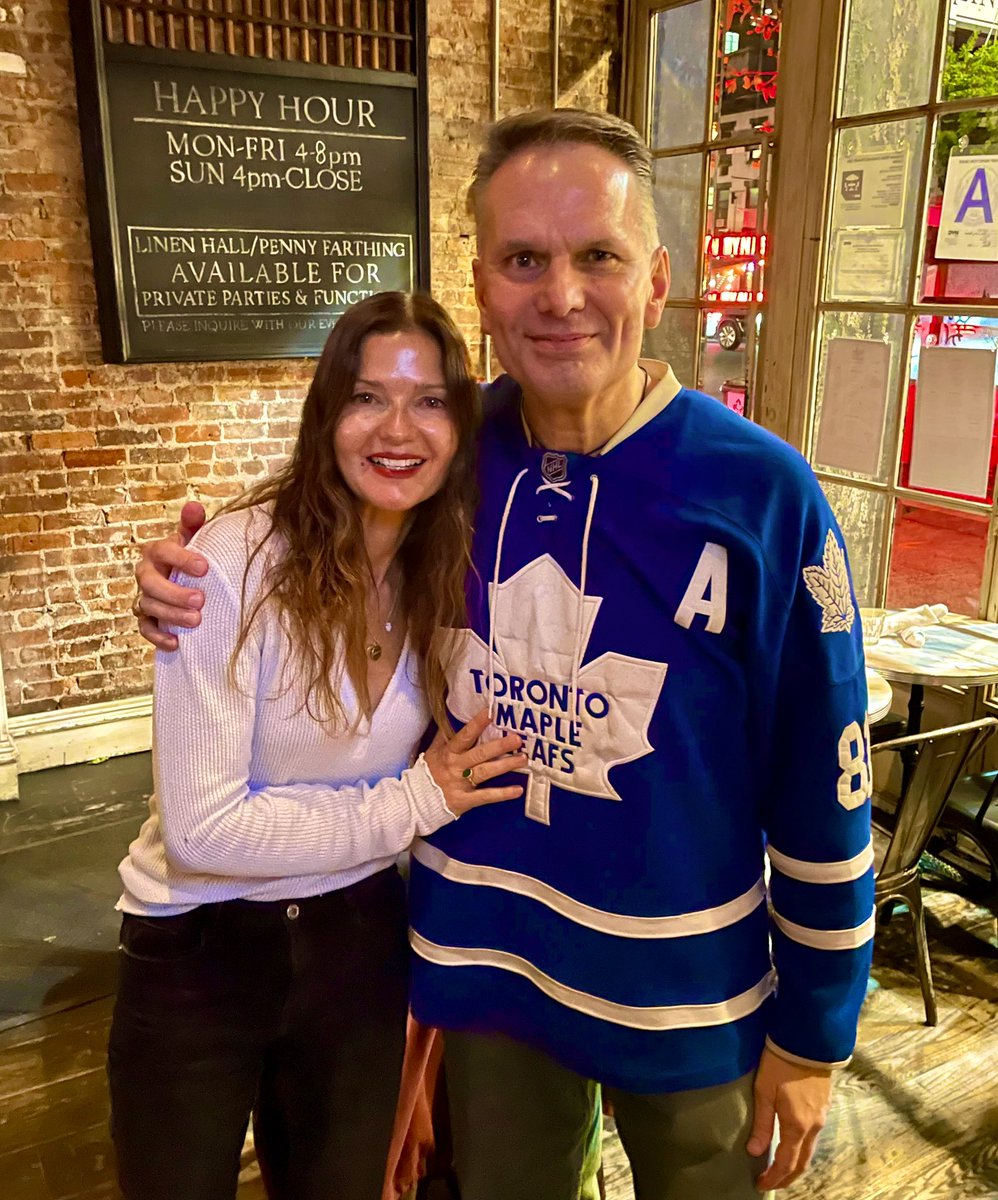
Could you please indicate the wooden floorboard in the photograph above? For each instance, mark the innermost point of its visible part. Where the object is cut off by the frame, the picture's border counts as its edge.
(55, 1142)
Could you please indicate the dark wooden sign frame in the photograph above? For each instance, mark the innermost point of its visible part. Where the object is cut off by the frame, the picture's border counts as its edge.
(245, 259)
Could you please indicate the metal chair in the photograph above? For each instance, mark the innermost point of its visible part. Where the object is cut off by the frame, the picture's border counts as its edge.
(977, 821)
(942, 756)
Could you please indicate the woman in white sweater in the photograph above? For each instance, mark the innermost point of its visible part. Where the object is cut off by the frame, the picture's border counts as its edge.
(264, 956)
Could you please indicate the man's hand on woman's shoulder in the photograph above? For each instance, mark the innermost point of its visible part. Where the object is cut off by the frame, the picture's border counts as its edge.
(159, 601)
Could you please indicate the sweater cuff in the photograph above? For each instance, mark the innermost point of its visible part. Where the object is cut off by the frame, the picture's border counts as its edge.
(812, 1063)
(428, 798)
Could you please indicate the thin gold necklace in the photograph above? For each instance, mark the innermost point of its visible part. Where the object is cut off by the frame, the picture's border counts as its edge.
(373, 647)
(532, 440)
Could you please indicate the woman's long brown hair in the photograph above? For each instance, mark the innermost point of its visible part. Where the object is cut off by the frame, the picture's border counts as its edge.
(319, 578)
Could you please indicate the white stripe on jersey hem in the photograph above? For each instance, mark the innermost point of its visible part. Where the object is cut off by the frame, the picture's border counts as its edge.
(845, 871)
(826, 939)
(706, 920)
(673, 1016)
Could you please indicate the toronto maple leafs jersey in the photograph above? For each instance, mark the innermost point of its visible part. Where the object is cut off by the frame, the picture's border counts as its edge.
(671, 627)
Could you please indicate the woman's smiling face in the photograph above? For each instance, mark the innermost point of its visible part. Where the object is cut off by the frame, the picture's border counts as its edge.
(396, 437)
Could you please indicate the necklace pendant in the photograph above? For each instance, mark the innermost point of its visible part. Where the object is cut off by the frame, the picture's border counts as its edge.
(388, 627)
(374, 651)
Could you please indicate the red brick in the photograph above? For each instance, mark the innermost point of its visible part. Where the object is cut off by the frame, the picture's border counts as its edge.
(22, 250)
(36, 184)
(26, 523)
(197, 433)
(63, 440)
(94, 458)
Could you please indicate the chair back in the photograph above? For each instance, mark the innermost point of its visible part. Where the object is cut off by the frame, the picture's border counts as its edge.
(942, 757)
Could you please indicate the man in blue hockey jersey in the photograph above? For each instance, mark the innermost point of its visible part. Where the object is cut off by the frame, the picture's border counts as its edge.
(665, 613)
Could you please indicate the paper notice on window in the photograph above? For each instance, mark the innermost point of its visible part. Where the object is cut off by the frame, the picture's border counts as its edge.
(866, 264)
(954, 420)
(967, 220)
(872, 189)
(854, 405)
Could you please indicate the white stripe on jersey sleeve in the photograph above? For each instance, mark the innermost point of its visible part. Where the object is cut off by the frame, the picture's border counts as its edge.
(826, 939)
(844, 871)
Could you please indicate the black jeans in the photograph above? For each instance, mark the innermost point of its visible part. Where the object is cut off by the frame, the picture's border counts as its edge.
(294, 1007)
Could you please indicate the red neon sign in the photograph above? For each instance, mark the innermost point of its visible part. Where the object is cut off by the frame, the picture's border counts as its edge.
(735, 245)
(734, 297)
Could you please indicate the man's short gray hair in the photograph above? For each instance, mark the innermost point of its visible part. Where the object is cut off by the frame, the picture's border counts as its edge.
(557, 126)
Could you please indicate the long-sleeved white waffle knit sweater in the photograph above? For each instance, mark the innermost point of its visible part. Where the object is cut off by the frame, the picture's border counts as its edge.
(253, 797)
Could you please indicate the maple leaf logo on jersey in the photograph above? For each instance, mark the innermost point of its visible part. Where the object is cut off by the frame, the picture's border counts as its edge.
(829, 585)
(571, 741)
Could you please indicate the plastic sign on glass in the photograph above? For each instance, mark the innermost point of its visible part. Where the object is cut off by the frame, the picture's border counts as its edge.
(974, 12)
(854, 405)
(872, 189)
(954, 420)
(968, 222)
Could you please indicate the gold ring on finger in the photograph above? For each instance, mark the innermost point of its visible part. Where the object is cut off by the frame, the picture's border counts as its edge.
(469, 774)
(137, 607)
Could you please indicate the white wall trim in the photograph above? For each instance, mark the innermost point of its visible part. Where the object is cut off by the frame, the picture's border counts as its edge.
(73, 735)
(8, 751)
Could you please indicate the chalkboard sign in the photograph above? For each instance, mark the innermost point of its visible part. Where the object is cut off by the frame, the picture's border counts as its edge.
(238, 206)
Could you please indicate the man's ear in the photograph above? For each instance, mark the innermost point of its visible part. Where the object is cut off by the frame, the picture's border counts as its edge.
(661, 276)
(477, 273)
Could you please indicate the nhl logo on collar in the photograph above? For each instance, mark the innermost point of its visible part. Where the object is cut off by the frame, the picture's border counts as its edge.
(554, 467)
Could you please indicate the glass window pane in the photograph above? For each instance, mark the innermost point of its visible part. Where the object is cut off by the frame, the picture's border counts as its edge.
(861, 514)
(970, 67)
(854, 438)
(681, 50)
(937, 557)
(675, 342)
(969, 333)
(748, 51)
(954, 267)
(873, 218)
(678, 187)
(888, 57)
(733, 207)
(723, 360)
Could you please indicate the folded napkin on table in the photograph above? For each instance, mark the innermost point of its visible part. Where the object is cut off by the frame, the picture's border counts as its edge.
(904, 625)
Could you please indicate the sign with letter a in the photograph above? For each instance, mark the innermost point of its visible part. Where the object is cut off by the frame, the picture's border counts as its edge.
(967, 223)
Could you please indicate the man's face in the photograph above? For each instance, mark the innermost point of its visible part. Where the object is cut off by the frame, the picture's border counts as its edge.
(566, 279)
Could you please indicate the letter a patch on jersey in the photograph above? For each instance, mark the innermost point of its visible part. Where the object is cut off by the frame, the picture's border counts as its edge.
(829, 587)
(707, 593)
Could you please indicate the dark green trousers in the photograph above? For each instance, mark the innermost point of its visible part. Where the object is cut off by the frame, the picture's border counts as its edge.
(521, 1122)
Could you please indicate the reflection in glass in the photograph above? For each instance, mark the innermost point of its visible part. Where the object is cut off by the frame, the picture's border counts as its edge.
(970, 67)
(681, 48)
(733, 266)
(873, 215)
(678, 185)
(723, 361)
(888, 57)
(865, 327)
(958, 136)
(748, 51)
(860, 513)
(980, 333)
(937, 557)
(733, 201)
(675, 342)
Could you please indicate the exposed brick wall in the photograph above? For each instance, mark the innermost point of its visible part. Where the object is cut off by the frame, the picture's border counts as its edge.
(96, 458)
